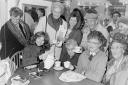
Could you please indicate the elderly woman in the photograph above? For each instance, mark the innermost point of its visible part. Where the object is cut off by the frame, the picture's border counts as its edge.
(117, 67)
(92, 62)
(56, 28)
(14, 35)
(70, 55)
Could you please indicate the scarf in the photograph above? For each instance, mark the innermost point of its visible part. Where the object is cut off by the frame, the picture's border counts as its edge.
(22, 38)
(54, 23)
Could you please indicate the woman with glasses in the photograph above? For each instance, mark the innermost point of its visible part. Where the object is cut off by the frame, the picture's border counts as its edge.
(70, 57)
(92, 62)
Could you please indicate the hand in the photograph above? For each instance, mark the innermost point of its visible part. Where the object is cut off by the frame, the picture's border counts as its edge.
(111, 70)
(68, 65)
(43, 56)
(53, 42)
(57, 64)
(59, 44)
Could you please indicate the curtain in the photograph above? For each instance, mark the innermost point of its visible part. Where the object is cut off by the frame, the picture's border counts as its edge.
(3, 12)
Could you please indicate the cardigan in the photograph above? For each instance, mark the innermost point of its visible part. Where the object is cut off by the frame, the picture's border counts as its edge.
(117, 75)
(95, 69)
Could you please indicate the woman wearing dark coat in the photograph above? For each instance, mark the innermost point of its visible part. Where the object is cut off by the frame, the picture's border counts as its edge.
(31, 53)
(14, 34)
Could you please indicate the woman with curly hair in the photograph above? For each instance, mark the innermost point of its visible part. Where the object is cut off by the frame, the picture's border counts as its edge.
(92, 62)
(117, 67)
(39, 44)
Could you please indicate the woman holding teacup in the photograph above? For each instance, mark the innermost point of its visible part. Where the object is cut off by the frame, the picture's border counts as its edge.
(69, 59)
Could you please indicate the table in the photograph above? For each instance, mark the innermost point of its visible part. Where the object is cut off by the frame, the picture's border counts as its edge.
(52, 78)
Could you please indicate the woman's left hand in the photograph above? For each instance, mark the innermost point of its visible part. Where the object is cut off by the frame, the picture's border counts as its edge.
(68, 65)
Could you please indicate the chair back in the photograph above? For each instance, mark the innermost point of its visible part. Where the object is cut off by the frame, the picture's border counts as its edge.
(17, 59)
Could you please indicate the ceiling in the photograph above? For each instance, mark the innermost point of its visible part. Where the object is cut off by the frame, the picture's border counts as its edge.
(113, 2)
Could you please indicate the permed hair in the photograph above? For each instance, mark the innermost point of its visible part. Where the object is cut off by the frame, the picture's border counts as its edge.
(99, 36)
(46, 44)
(15, 11)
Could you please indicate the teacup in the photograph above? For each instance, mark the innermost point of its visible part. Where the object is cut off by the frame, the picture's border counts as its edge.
(67, 64)
(57, 64)
(78, 49)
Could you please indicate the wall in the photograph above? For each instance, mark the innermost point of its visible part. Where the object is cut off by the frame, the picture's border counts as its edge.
(37, 2)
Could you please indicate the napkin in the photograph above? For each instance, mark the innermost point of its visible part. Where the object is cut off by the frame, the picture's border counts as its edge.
(71, 76)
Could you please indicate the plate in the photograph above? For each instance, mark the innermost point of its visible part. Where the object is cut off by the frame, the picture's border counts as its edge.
(58, 68)
(71, 76)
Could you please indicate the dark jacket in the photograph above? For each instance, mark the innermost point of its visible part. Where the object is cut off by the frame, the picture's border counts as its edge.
(65, 57)
(10, 43)
(30, 55)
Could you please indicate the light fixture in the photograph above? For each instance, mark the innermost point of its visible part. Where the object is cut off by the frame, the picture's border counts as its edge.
(124, 2)
(92, 2)
(67, 3)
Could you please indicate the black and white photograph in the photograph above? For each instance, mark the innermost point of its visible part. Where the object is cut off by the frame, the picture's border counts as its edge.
(63, 42)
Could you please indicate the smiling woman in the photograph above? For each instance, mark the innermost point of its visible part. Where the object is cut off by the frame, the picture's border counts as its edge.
(118, 65)
(92, 62)
(39, 44)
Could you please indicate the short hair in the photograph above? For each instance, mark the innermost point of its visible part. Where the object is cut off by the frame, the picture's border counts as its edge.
(99, 36)
(77, 13)
(91, 11)
(59, 5)
(42, 11)
(91, 14)
(122, 39)
(46, 45)
(15, 11)
(115, 12)
(71, 42)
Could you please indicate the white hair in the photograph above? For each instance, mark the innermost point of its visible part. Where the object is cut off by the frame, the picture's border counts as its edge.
(57, 5)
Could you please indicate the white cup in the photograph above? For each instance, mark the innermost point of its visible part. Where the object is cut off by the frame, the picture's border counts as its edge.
(57, 64)
(78, 49)
(67, 64)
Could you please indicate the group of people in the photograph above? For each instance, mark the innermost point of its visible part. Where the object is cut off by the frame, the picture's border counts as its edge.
(96, 50)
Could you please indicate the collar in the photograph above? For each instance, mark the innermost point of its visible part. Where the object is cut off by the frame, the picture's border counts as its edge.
(92, 53)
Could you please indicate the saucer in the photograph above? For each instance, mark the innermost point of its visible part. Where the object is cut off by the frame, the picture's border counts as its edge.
(58, 68)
